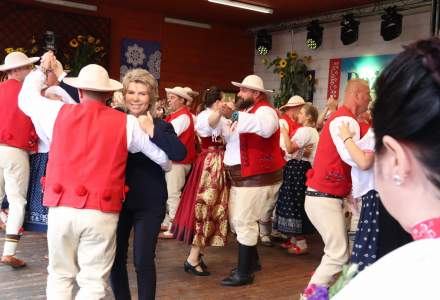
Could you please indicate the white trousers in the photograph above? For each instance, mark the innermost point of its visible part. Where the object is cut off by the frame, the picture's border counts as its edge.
(246, 207)
(265, 222)
(175, 181)
(82, 245)
(14, 180)
(327, 215)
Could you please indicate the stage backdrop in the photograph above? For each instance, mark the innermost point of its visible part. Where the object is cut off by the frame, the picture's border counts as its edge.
(343, 69)
(140, 54)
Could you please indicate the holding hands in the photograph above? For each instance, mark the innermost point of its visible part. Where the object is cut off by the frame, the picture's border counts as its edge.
(146, 123)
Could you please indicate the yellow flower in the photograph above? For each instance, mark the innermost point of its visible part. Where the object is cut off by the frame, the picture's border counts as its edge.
(9, 50)
(97, 42)
(80, 38)
(282, 74)
(98, 49)
(90, 39)
(22, 50)
(66, 67)
(282, 63)
(34, 49)
(73, 43)
(293, 55)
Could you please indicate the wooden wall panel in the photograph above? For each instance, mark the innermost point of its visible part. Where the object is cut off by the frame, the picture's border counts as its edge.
(190, 56)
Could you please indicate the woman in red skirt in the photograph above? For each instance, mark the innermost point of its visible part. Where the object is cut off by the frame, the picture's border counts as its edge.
(202, 217)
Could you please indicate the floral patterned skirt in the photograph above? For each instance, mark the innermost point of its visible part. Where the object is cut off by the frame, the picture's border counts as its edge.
(202, 216)
(36, 213)
(290, 215)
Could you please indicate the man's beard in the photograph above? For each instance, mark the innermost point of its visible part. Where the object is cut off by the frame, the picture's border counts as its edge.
(243, 104)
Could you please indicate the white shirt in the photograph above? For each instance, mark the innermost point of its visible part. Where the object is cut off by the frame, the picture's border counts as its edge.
(287, 156)
(362, 180)
(264, 122)
(202, 125)
(180, 124)
(45, 111)
(407, 273)
(303, 137)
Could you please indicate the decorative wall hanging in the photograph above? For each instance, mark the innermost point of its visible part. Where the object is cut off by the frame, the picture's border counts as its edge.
(140, 54)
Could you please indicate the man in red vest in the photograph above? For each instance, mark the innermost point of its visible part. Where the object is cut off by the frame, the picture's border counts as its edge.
(84, 184)
(17, 139)
(330, 181)
(288, 121)
(183, 124)
(254, 163)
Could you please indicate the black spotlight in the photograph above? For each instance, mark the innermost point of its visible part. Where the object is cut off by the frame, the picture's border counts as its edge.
(264, 42)
(391, 26)
(349, 29)
(314, 35)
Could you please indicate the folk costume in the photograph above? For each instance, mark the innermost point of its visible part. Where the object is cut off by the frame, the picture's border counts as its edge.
(183, 124)
(254, 164)
(85, 179)
(202, 216)
(329, 181)
(17, 139)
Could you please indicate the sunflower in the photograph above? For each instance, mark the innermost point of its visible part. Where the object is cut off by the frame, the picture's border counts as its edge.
(98, 49)
(80, 38)
(293, 55)
(283, 63)
(282, 74)
(90, 39)
(9, 50)
(73, 43)
(34, 50)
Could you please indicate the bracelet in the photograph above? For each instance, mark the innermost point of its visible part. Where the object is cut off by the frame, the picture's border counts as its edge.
(346, 139)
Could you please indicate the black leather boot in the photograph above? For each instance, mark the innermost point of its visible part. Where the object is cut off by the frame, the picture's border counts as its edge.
(255, 265)
(243, 275)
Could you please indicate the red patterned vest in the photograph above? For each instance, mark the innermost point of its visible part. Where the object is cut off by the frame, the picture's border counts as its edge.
(260, 155)
(329, 173)
(188, 137)
(87, 158)
(16, 129)
(293, 126)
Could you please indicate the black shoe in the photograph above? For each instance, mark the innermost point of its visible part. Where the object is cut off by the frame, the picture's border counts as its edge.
(202, 262)
(256, 268)
(237, 280)
(192, 269)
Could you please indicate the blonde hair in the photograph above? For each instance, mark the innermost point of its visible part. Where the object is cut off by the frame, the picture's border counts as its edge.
(144, 77)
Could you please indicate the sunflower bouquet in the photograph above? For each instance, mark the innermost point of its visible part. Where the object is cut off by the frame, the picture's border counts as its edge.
(85, 49)
(29, 51)
(293, 74)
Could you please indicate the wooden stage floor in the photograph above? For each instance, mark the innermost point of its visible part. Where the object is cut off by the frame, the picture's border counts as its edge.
(283, 275)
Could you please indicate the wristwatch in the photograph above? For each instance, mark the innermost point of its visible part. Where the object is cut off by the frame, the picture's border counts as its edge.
(234, 116)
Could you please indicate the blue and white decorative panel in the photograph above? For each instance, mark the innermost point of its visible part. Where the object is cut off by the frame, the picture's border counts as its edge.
(140, 54)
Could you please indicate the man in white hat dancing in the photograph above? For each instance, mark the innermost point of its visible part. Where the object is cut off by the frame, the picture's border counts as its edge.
(84, 184)
(17, 139)
(254, 163)
(183, 124)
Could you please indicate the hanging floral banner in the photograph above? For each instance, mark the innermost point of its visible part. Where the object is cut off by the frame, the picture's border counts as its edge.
(140, 54)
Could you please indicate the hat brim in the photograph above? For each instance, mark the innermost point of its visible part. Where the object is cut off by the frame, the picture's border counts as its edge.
(113, 85)
(238, 84)
(31, 60)
(291, 105)
(177, 93)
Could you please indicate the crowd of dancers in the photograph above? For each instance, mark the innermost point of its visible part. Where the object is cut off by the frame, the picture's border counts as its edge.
(91, 171)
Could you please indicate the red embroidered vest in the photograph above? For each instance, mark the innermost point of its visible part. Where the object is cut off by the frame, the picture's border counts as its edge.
(260, 155)
(329, 173)
(188, 137)
(87, 158)
(16, 129)
(293, 126)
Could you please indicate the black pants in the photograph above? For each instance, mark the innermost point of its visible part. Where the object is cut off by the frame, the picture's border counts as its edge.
(146, 224)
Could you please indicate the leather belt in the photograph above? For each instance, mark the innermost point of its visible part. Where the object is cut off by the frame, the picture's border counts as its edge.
(234, 174)
(320, 194)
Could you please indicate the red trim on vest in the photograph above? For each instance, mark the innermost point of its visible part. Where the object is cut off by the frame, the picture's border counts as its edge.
(16, 129)
(87, 158)
(329, 173)
(260, 155)
(188, 137)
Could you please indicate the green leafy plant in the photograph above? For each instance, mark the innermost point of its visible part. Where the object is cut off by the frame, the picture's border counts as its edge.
(86, 50)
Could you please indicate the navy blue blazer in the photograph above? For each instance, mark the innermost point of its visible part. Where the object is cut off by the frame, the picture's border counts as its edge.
(145, 178)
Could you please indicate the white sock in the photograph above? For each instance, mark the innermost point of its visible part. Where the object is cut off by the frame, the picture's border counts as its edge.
(10, 248)
(301, 243)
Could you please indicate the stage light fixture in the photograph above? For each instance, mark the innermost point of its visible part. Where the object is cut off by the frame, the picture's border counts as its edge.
(391, 25)
(264, 42)
(349, 29)
(314, 35)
